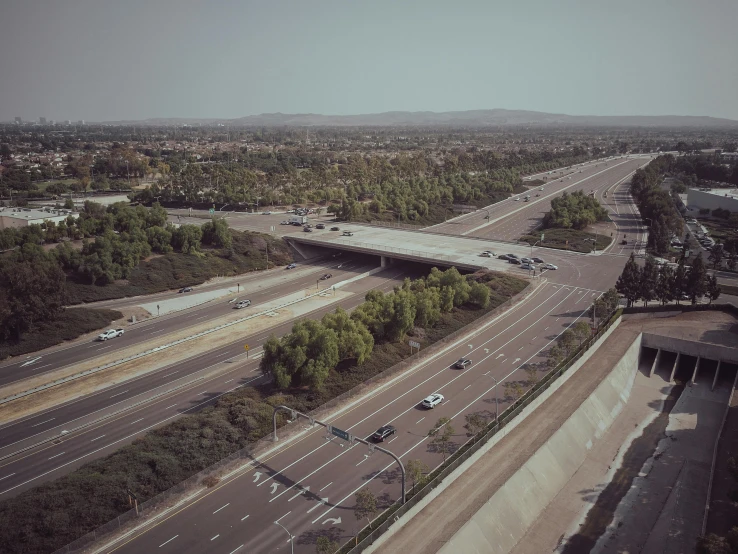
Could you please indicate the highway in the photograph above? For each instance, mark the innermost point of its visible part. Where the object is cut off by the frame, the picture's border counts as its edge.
(309, 485)
(259, 288)
(223, 370)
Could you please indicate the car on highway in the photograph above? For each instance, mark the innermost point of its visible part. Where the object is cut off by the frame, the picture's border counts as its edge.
(266, 213)
(291, 266)
(326, 276)
(307, 230)
(527, 266)
(550, 266)
(540, 188)
(242, 304)
(514, 261)
(432, 401)
(320, 226)
(110, 334)
(335, 229)
(383, 432)
(185, 289)
(516, 199)
(284, 222)
(538, 260)
(462, 363)
(487, 254)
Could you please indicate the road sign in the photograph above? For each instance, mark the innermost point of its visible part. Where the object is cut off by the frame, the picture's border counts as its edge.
(542, 235)
(212, 210)
(340, 433)
(414, 344)
(245, 346)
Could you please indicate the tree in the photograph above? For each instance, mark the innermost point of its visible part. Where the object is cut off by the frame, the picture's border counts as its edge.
(479, 295)
(713, 289)
(696, 279)
(365, 507)
(441, 434)
(665, 285)
(716, 255)
(680, 280)
(325, 545)
(555, 356)
(416, 470)
(629, 282)
(354, 339)
(649, 280)
(475, 424)
(567, 341)
(217, 233)
(582, 331)
(187, 239)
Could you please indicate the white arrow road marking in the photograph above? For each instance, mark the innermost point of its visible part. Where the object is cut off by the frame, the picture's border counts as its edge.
(323, 502)
(256, 476)
(274, 487)
(334, 520)
(499, 355)
(516, 361)
(33, 361)
(303, 491)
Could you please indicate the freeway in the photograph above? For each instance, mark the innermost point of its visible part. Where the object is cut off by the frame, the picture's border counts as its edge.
(309, 485)
(222, 370)
(259, 288)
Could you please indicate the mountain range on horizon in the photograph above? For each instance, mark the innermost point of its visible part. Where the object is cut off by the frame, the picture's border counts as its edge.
(470, 118)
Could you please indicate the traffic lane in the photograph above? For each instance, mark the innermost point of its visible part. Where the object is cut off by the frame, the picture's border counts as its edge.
(297, 498)
(21, 475)
(532, 215)
(59, 416)
(272, 485)
(15, 371)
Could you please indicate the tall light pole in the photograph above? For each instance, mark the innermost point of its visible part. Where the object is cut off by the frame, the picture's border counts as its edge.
(292, 538)
(129, 175)
(496, 405)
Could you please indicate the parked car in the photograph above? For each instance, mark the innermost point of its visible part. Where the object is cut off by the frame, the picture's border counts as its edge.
(526, 260)
(320, 226)
(432, 401)
(512, 256)
(487, 254)
(538, 260)
(348, 234)
(623, 241)
(462, 363)
(550, 266)
(514, 261)
(503, 257)
(266, 213)
(242, 304)
(291, 266)
(326, 276)
(335, 229)
(110, 334)
(307, 230)
(185, 289)
(527, 266)
(383, 432)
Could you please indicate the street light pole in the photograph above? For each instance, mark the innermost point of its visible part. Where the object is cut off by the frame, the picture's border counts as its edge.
(496, 405)
(292, 538)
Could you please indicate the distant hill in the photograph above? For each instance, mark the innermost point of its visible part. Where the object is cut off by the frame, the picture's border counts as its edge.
(471, 118)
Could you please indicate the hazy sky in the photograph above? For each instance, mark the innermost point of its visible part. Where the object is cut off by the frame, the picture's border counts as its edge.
(107, 60)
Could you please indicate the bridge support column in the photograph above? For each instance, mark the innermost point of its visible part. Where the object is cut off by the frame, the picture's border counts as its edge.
(673, 369)
(717, 372)
(385, 261)
(655, 362)
(696, 368)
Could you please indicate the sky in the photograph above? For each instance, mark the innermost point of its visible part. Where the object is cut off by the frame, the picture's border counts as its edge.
(103, 60)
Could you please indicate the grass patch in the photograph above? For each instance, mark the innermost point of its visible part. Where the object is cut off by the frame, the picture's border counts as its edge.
(175, 270)
(55, 513)
(72, 323)
(569, 239)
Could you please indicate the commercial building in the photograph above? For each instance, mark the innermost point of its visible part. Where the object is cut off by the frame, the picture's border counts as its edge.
(711, 199)
(42, 121)
(23, 217)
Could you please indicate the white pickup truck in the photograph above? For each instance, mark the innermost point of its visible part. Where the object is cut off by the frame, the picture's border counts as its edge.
(110, 334)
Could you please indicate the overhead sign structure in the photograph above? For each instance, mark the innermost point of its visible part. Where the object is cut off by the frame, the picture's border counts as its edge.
(340, 433)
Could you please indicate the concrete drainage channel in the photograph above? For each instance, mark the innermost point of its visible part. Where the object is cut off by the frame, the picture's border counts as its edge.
(94, 370)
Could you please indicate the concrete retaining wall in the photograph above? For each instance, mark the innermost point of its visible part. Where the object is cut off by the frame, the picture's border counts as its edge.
(504, 519)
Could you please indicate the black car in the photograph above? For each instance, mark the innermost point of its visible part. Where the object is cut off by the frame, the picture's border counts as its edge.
(185, 289)
(307, 230)
(461, 363)
(320, 226)
(623, 241)
(383, 432)
(538, 260)
(514, 261)
(503, 257)
(513, 256)
(326, 276)
(335, 229)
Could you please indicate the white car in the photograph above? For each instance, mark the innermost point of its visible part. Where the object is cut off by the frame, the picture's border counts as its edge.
(516, 199)
(550, 266)
(432, 401)
(110, 334)
(487, 254)
(243, 304)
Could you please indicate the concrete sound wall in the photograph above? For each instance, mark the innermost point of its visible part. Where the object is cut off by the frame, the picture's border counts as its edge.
(504, 519)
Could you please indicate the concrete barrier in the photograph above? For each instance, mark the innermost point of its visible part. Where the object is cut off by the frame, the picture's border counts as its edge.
(504, 519)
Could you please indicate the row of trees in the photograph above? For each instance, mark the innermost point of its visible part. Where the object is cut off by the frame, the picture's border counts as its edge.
(305, 357)
(664, 284)
(576, 210)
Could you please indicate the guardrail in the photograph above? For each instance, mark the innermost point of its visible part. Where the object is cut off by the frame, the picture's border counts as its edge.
(168, 500)
(383, 522)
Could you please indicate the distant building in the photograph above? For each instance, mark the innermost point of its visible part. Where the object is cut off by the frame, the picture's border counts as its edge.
(42, 120)
(711, 199)
(23, 217)
(18, 120)
(68, 122)
(81, 122)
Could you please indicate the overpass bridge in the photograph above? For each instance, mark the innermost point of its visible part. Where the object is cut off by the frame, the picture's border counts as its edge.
(391, 244)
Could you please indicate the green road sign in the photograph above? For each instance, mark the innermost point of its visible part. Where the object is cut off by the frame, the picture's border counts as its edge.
(212, 210)
(340, 433)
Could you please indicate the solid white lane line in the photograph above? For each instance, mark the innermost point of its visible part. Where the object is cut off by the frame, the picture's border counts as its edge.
(168, 374)
(229, 380)
(219, 509)
(328, 485)
(125, 391)
(56, 456)
(170, 540)
(215, 537)
(284, 516)
(157, 331)
(172, 406)
(132, 422)
(52, 419)
(366, 457)
(93, 440)
(1, 478)
(39, 367)
(237, 549)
